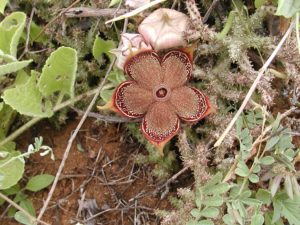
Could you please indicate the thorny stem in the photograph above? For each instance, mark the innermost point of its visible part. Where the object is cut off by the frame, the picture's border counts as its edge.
(253, 87)
(32, 219)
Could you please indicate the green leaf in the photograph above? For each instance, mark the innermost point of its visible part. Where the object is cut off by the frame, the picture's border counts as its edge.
(35, 31)
(28, 206)
(253, 178)
(217, 189)
(213, 201)
(275, 183)
(205, 222)
(196, 213)
(213, 181)
(268, 220)
(288, 208)
(22, 218)
(259, 3)
(210, 212)
(116, 77)
(276, 123)
(12, 190)
(285, 142)
(13, 66)
(272, 142)
(106, 95)
(267, 160)
(3, 3)
(242, 169)
(257, 219)
(264, 196)
(27, 99)
(228, 219)
(114, 2)
(59, 72)
(288, 186)
(103, 47)
(39, 182)
(256, 168)
(11, 29)
(239, 125)
(11, 170)
(287, 8)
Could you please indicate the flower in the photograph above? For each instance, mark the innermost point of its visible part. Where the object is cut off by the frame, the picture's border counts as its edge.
(158, 93)
(165, 28)
(134, 4)
(131, 43)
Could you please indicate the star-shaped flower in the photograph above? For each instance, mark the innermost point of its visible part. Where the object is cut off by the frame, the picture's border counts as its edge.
(158, 93)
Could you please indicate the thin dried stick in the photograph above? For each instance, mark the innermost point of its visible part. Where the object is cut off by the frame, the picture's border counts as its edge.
(91, 12)
(210, 9)
(136, 11)
(28, 33)
(30, 217)
(106, 118)
(253, 87)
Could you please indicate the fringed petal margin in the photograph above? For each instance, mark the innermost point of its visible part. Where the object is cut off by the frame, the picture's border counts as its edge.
(160, 124)
(190, 104)
(177, 68)
(131, 100)
(145, 69)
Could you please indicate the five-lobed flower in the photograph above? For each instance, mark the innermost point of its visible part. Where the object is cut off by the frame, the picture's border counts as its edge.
(157, 92)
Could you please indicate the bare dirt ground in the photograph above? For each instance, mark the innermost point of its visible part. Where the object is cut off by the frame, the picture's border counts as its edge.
(100, 183)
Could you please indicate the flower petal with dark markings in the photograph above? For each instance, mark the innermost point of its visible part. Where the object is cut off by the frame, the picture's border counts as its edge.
(190, 104)
(145, 69)
(132, 100)
(160, 123)
(176, 68)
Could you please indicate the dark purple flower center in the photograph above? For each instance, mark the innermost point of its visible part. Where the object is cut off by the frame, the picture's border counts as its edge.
(161, 93)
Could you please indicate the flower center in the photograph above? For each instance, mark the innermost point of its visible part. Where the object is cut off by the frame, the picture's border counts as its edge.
(161, 92)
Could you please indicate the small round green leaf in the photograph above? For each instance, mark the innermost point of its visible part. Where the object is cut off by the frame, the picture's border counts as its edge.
(39, 182)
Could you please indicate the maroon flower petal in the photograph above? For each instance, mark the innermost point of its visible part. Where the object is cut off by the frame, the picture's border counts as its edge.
(160, 123)
(190, 104)
(145, 68)
(177, 68)
(131, 100)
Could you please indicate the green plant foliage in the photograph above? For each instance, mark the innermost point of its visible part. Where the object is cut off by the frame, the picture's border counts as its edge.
(288, 8)
(115, 78)
(285, 207)
(11, 29)
(59, 72)
(13, 66)
(101, 47)
(3, 3)
(259, 3)
(11, 169)
(114, 2)
(28, 100)
(22, 218)
(39, 182)
(207, 199)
